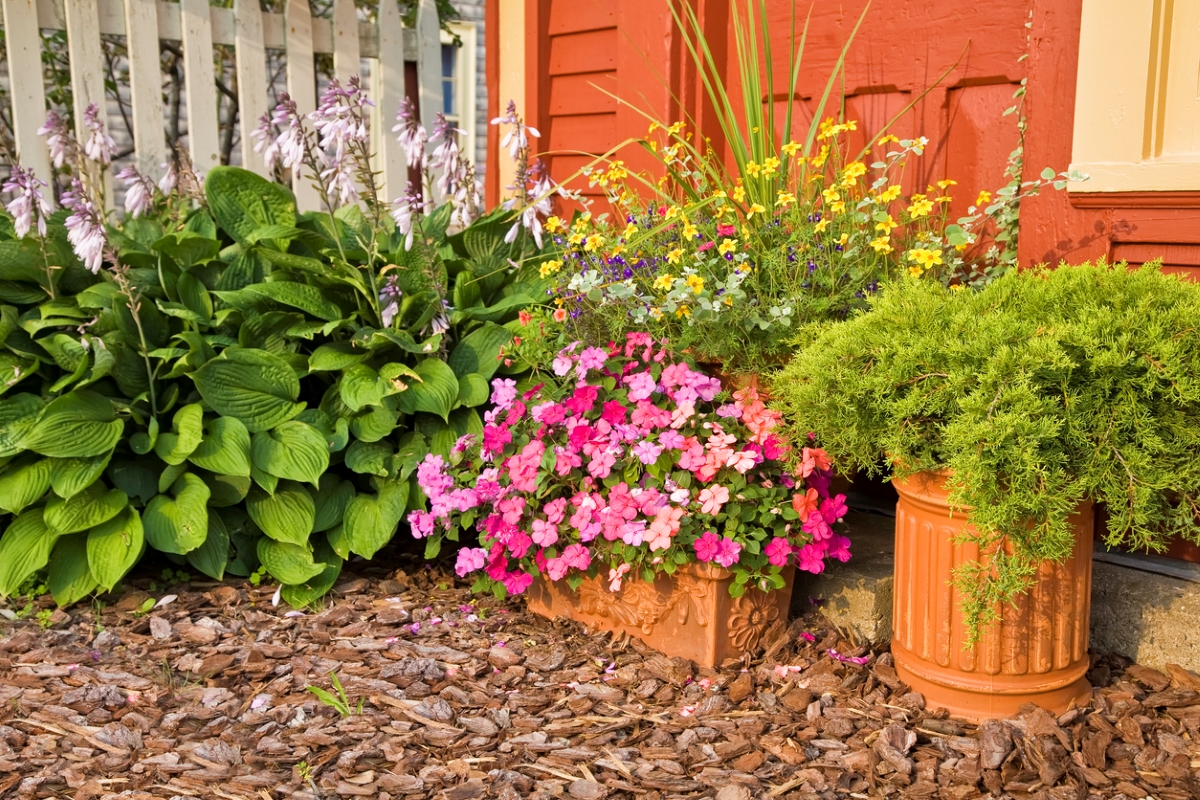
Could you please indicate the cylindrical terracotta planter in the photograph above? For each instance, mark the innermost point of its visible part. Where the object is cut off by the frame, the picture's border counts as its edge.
(688, 614)
(1036, 653)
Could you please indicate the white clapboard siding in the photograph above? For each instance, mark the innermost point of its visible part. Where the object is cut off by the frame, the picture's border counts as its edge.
(198, 27)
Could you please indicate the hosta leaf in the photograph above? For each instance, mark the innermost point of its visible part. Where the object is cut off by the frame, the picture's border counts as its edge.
(369, 458)
(297, 295)
(114, 547)
(412, 450)
(178, 524)
(135, 478)
(479, 350)
(70, 476)
(174, 447)
(242, 202)
(81, 423)
(24, 549)
(473, 390)
(23, 483)
(227, 490)
(360, 386)
(17, 415)
(225, 447)
(331, 501)
(87, 509)
(336, 356)
(69, 578)
(256, 387)
(374, 423)
(288, 563)
(286, 516)
(302, 595)
(438, 391)
(295, 450)
(371, 521)
(212, 557)
(338, 541)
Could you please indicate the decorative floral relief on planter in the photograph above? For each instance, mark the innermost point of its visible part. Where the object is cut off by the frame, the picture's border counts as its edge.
(689, 614)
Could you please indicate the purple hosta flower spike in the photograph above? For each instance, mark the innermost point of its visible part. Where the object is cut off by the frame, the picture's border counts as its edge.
(58, 140)
(446, 155)
(389, 299)
(288, 146)
(166, 184)
(405, 210)
(85, 229)
(516, 139)
(410, 133)
(139, 192)
(99, 146)
(28, 203)
(264, 141)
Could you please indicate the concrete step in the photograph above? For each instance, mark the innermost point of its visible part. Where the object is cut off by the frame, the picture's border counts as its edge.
(1143, 607)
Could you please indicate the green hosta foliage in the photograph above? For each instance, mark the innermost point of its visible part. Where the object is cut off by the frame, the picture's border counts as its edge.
(1045, 389)
(237, 400)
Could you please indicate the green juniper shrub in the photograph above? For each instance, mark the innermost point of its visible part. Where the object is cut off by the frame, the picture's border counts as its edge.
(1045, 389)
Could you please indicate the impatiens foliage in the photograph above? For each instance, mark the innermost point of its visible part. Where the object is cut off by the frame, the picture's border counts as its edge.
(626, 461)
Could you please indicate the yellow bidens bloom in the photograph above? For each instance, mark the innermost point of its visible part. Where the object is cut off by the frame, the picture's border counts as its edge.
(831, 195)
(755, 208)
(770, 166)
(675, 128)
(739, 194)
(882, 245)
(889, 194)
(791, 148)
(920, 206)
(656, 312)
(925, 257)
(753, 168)
(683, 311)
(689, 230)
(853, 171)
(554, 224)
(843, 239)
(886, 225)
(785, 199)
(653, 127)
(727, 246)
(695, 283)
(984, 198)
(886, 139)
(629, 231)
(671, 214)
(947, 183)
(818, 160)
(674, 256)
(837, 206)
(820, 226)
(593, 242)
(549, 268)
(664, 281)
(575, 238)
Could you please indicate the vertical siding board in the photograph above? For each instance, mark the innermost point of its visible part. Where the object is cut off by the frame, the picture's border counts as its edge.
(251, 77)
(345, 40)
(204, 145)
(387, 77)
(28, 97)
(145, 86)
(302, 84)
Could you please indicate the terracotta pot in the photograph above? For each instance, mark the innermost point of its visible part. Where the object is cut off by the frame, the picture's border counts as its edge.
(688, 614)
(1037, 653)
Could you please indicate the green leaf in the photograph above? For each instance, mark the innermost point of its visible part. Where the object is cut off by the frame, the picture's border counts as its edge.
(478, 352)
(87, 509)
(302, 595)
(368, 525)
(69, 578)
(336, 356)
(242, 202)
(135, 478)
(24, 549)
(179, 524)
(331, 501)
(360, 386)
(143, 442)
(374, 423)
(369, 458)
(23, 483)
(17, 415)
(227, 490)
(256, 387)
(294, 450)
(225, 448)
(176, 446)
(411, 451)
(288, 563)
(297, 295)
(287, 515)
(80, 423)
(212, 557)
(438, 391)
(114, 547)
(70, 476)
(473, 390)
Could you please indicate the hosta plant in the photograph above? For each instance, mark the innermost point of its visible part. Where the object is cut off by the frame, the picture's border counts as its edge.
(233, 383)
(627, 462)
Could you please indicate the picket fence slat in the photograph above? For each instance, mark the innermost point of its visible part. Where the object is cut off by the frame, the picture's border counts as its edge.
(145, 86)
(302, 85)
(345, 40)
(204, 130)
(429, 68)
(28, 97)
(251, 57)
(387, 78)
(82, 19)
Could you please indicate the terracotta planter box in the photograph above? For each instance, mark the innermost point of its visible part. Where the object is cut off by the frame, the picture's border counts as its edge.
(688, 614)
(1037, 653)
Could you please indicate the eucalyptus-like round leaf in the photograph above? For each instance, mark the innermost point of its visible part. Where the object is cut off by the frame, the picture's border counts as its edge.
(287, 515)
(257, 387)
(225, 448)
(113, 547)
(80, 423)
(87, 509)
(23, 483)
(293, 451)
(288, 563)
(178, 524)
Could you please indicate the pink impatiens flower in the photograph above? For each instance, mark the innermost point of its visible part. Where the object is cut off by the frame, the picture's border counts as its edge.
(647, 452)
(813, 458)
(727, 552)
(834, 508)
(517, 582)
(777, 551)
(640, 386)
(470, 559)
(664, 527)
(712, 498)
(577, 556)
(615, 576)
(810, 559)
(545, 534)
(707, 546)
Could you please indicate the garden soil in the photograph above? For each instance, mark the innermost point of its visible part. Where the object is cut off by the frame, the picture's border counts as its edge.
(206, 696)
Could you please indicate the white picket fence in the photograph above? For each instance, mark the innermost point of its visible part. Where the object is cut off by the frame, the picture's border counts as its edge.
(197, 26)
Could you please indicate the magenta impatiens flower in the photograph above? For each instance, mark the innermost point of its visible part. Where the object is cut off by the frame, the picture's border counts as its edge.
(810, 559)
(777, 551)
(707, 546)
(727, 552)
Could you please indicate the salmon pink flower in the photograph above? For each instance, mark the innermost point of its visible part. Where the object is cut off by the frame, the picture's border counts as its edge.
(743, 461)
(615, 577)
(805, 504)
(813, 458)
(712, 498)
(665, 525)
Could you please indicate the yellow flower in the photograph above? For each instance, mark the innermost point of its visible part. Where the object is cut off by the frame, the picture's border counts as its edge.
(785, 199)
(629, 231)
(653, 127)
(920, 206)
(617, 171)
(831, 195)
(791, 148)
(719, 193)
(755, 208)
(889, 194)
(925, 257)
(820, 226)
(984, 198)
(855, 169)
(549, 268)
(753, 168)
(575, 238)
(683, 311)
(886, 139)
(818, 160)
(886, 225)
(689, 230)
(722, 211)
(739, 194)
(695, 283)
(851, 125)
(675, 128)
(837, 206)
(593, 242)
(554, 224)
(656, 312)
(843, 239)
(881, 245)
(914, 271)
(727, 246)
(943, 199)
(770, 166)
(664, 281)
(672, 213)
(943, 184)
(958, 287)
(674, 256)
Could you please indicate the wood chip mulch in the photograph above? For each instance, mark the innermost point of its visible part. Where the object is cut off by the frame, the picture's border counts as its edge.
(205, 696)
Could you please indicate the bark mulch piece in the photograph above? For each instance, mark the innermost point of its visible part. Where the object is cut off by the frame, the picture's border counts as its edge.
(206, 695)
